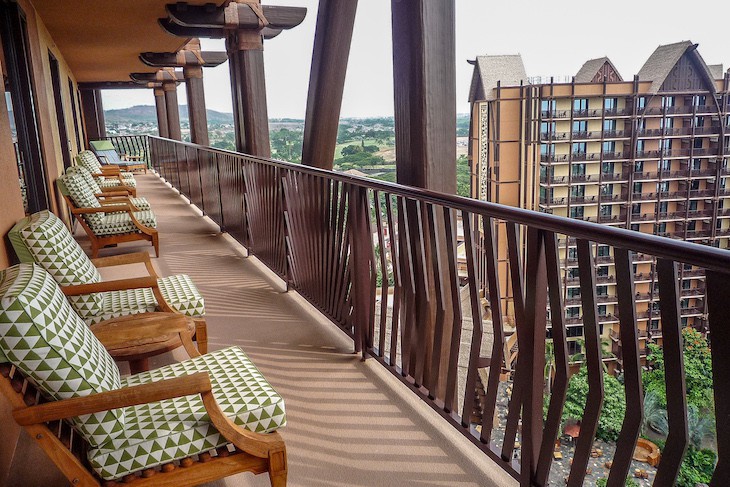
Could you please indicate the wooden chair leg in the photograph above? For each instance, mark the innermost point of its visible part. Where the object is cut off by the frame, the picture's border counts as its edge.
(277, 468)
(201, 335)
(156, 243)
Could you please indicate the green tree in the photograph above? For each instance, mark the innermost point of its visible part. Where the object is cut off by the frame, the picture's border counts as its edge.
(350, 150)
(614, 403)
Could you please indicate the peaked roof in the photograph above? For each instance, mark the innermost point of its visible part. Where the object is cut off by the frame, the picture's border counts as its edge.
(664, 58)
(591, 67)
(509, 70)
(717, 70)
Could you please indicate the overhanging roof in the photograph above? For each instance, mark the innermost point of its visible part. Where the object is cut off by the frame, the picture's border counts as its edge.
(101, 39)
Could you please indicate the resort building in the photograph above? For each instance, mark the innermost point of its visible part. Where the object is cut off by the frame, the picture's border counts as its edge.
(648, 154)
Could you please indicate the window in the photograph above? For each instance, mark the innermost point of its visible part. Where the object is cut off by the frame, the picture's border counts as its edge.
(547, 106)
(607, 189)
(579, 169)
(602, 271)
(636, 209)
(640, 145)
(699, 100)
(666, 123)
(610, 103)
(547, 127)
(695, 184)
(641, 124)
(665, 165)
(607, 167)
(696, 164)
(609, 125)
(667, 144)
(691, 225)
(579, 148)
(573, 272)
(601, 310)
(668, 101)
(580, 104)
(639, 166)
(662, 187)
(654, 325)
(572, 253)
(604, 251)
(572, 312)
(693, 206)
(605, 210)
(573, 292)
(635, 227)
(641, 102)
(576, 212)
(601, 290)
(684, 303)
(580, 126)
(577, 191)
(609, 146)
(686, 284)
(662, 228)
(699, 121)
(697, 144)
(663, 207)
(547, 149)
(637, 187)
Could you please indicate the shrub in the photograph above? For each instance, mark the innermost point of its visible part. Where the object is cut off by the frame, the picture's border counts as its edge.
(614, 403)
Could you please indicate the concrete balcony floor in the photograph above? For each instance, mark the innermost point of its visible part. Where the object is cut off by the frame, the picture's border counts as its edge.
(349, 422)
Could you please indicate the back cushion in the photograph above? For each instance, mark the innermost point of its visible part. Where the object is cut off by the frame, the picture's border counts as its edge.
(86, 175)
(88, 160)
(42, 336)
(44, 239)
(83, 197)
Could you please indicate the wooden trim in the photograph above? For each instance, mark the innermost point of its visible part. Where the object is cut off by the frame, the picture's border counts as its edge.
(106, 286)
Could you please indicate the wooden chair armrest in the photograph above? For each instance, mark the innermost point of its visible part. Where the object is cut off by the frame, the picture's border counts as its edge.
(112, 194)
(187, 385)
(122, 189)
(111, 168)
(114, 202)
(124, 259)
(104, 209)
(104, 286)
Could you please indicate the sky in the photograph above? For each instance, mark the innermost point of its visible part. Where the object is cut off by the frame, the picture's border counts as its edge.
(554, 38)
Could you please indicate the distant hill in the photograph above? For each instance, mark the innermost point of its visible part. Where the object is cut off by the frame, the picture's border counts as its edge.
(148, 113)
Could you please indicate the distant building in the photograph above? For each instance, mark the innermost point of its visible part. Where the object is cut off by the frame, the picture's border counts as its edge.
(649, 155)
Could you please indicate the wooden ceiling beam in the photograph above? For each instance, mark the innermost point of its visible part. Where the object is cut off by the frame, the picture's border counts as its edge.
(160, 76)
(208, 16)
(183, 58)
(209, 33)
(110, 85)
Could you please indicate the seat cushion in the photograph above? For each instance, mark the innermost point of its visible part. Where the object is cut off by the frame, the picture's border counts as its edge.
(169, 430)
(179, 292)
(139, 202)
(116, 223)
(112, 182)
(44, 239)
(42, 336)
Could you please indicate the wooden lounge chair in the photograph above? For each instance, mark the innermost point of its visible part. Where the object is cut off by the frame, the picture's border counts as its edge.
(184, 424)
(105, 175)
(109, 195)
(107, 224)
(107, 154)
(44, 239)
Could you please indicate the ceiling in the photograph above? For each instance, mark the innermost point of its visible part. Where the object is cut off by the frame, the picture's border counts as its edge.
(102, 39)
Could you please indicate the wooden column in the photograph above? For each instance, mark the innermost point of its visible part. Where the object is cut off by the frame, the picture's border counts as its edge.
(424, 75)
(196, 105)
(93, 109)
(335, 21)
(161, 112)
(248, 85)
(173, 111)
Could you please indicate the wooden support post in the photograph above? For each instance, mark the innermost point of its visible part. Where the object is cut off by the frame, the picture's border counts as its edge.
(248, 85)
(424, 75)
(335, 21)
(161, 112)
(93, 109)
(173, 111)
(196, 105)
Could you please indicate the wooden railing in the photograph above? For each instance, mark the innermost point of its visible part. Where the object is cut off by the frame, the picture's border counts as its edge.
(131, 145)
(453, 274)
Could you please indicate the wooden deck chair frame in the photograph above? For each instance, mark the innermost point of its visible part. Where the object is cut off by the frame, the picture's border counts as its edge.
(150, 281)
(99, 242)
(43, 421)
(104, 159)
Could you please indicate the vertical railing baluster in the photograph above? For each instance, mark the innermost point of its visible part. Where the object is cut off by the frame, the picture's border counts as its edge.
(384, 285)
(394, 242)
(631, 367)
(452, 379)
(361, 245)
(718, 297)
(678, 437)
(560, 358)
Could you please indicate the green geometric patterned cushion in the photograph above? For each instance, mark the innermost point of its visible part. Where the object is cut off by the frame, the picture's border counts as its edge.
(112, 182)
(88, 160)
(179, 292)
(44, 239)
(117, 223)
(93, 187)
(82, 197)
(168, 430)
(42, 336)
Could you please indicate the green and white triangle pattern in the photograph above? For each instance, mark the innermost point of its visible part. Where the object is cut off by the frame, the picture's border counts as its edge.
(89, 160)
(164, 431)
(42, 336)
(116, 223)
(52, 246)
(179, 292)
(94, 188)
(82, 198)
